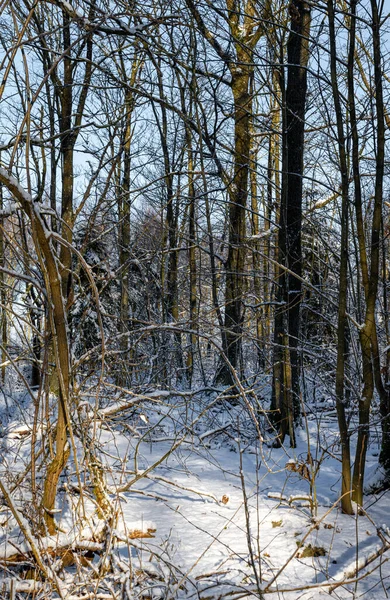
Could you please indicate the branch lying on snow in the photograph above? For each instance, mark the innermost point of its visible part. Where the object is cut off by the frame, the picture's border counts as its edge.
(122, 405)
(345, 577)
(136, 398)
(290, 499)
(362, 563)
(211, 432)
(119, 406)
(182, 487)
(11, 552)
(235, 592)
(87, 540)
(93, 596)
(348, 579)
(31, 541)
(366, 560)
(10, 585)
(135, 534)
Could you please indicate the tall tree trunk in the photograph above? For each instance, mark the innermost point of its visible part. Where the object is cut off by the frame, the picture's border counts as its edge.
(192, 259)
(286, 397)
(343, 283)
(171, 275)
(384, 458)
(297, 58)
(261, 322)
(245, 32)
(281, 405)
(271, 202)
(124, 214)
(124, 241)
(3, 295)
(210, 237)
(383, 392)
(67, 147)
(57, 314)
(367, 331)
(235, 264)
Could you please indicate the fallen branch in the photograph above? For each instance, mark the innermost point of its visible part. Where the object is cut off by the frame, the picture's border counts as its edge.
(25, 529)
(182, 487)
(88, 540)
(11, 586)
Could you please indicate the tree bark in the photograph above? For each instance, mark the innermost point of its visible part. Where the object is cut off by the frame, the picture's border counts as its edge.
(343, 277)
(57, 312)
(367, 331)
(297, 58)
(286, 396)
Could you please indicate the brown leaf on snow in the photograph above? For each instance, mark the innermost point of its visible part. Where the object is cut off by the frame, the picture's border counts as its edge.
(137, 534)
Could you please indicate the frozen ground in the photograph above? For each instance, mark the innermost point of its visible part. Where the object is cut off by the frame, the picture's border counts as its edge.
(217, 482)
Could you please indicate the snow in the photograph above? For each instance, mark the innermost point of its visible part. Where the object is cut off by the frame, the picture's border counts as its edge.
(197, 487)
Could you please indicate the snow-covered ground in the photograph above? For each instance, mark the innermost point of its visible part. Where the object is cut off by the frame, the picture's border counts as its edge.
(229, 516)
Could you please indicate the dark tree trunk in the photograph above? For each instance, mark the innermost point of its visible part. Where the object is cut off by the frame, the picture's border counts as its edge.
(286, 397)
(297, 57)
